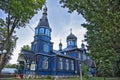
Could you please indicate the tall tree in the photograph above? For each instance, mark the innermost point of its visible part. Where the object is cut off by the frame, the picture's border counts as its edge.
(103, 30)
(18, 12)
(4, 58)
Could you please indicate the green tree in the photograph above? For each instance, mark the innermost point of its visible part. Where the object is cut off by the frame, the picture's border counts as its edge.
(25, 47)
(11, 66)
(18, 13)
(103, 30)
(4, 58)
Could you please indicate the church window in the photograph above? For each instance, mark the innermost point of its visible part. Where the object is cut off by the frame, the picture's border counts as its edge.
(36, 31)
(61, 63)
(79, 55)
(72, 65)
(41, 31)
(47, 32)
(45, 63)
(32, 67)
(67, 64)
(35, 46)
(69, 42)
(46, 48)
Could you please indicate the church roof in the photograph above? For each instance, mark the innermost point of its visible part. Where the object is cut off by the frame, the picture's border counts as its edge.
(29, 55)
(44, 20)
(72, 49)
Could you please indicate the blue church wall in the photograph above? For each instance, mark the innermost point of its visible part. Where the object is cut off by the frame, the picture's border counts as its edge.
(39, 47)
(66, 67)
(53, 65)
(73, 54)
(44, 65)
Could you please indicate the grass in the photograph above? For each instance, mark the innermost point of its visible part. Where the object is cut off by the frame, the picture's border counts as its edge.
(93, 78)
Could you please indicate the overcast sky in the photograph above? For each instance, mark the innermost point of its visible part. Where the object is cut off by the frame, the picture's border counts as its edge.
(60, 22)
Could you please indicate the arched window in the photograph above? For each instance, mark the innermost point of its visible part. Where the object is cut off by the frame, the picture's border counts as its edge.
(45, 63)
(69, 42)
(36, 31)
(67, 64)
(41, 31)
(60, 64)
(72, 65)
(47, 32)
(32, 67)
(84, 57)
(46, 48)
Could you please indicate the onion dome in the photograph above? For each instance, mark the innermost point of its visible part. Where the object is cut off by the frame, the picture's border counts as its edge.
(71, 36)
(44, 20)
(60, 44)
(82, 45)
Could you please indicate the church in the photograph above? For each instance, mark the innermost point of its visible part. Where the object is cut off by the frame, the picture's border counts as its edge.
(43, 60)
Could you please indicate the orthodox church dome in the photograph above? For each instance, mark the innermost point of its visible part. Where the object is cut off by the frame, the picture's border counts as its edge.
(60, 44)
(44, 20)
(71, 36)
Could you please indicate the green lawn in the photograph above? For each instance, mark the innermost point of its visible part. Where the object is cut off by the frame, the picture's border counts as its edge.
(98, 78)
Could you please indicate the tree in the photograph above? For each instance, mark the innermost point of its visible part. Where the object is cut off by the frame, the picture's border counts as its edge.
(25, 47)
(103, 28)
(4, 58)
(11, 66)
(18, 12)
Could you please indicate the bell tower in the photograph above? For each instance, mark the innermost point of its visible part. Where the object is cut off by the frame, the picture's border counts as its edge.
(42, 39)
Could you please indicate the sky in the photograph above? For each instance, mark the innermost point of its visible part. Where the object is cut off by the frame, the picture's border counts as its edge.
(60, 22)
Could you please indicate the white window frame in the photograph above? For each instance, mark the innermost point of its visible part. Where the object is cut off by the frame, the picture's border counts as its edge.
(67, 64)
(41, 31)
(61, 64)
(47, 32)
(45, 63)
(32, 67)
(36, 31)
(46, 48)
(72, 65)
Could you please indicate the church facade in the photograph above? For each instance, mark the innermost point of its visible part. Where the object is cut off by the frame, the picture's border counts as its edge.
(42, 59)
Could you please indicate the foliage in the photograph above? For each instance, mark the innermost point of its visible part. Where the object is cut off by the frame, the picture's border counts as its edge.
(11, 66)
(103, 31)
(12, 42)
(85, 70)
(26, 47)
(18, 13)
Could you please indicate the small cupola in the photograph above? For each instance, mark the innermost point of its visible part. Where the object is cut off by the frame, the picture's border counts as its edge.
(82, 45)
(71, 40)
(60, 46)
